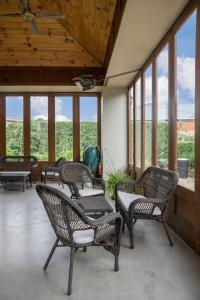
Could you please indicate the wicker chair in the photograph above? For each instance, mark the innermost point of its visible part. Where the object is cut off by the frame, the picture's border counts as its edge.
(156, 186)
(77, 176)
(52, 172)
(75, 230)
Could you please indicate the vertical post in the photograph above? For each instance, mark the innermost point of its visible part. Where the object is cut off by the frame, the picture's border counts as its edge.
(172, 105)
(51, 127)
(128, 127)
(76, 128)
(99, 120)
(197, 131)
(143, 122)
(134, 131)
(155, 110)
(2, 125)
(27, 116)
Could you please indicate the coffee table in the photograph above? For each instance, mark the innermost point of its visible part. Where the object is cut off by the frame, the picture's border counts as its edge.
(95, 206)
(10, 178)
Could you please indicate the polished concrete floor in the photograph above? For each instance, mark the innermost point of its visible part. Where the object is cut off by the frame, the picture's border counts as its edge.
(152, 271)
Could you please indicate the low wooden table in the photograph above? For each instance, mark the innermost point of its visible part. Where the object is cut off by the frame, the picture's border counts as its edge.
(12, 177)
(95, 206)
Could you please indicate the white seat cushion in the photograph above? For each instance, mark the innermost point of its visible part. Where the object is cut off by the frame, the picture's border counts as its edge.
(127, 198)
(83, 236)
(50, 174)
(90, 192)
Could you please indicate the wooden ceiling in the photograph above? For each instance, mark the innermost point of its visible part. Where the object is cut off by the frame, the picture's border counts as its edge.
(79, 40)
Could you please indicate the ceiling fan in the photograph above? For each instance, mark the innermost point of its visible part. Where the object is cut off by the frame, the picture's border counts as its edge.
(88, 82)
(30, 16)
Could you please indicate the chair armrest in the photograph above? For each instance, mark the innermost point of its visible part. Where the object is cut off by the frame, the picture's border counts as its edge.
(99, 181)
(147, 205)
(73, 189)
(107, 218)
(125, 186)
(44, 167)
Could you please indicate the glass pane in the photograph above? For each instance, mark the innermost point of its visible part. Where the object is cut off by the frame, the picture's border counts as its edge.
(88, 123)
(63, 127)
(14, 125)
(131, 126)
(39, 127)
(163, 122)
(138, 124)
(185, 41)
(148, 117)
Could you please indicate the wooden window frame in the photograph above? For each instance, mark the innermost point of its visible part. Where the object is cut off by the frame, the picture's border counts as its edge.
(51, 121)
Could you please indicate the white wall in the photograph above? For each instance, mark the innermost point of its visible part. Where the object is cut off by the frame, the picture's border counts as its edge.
(114, 128)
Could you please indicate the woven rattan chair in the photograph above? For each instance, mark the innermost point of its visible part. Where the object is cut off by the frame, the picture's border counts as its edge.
(52, 172)
(78, 176)
(146, 198)
(75, 230)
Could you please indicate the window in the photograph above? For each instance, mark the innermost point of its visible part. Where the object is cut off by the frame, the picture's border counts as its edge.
(64, 127)
(131, 132)
(163, 120)
(185, 62)
(88, 123)
(138, 123)
(148, 117)
(39, 127)
(14, 125)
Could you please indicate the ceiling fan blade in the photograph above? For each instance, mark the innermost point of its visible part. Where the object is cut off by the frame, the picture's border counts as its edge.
(24, 4)
(49, 15)
(34, 27)
(10, 15)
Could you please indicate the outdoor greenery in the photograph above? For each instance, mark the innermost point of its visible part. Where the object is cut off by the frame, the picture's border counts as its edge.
(114, 177)
(39, 138)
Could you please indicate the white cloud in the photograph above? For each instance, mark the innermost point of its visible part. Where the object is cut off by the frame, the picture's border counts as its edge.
(186, 74)
(62, 118)
(163, 61)
(148, 89)
(40, 117)
(163, 90)
(39, 105)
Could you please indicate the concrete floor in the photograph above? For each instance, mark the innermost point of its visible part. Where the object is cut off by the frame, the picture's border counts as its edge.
(153, 270)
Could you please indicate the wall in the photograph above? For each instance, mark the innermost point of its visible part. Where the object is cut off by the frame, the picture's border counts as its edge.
(114, 128)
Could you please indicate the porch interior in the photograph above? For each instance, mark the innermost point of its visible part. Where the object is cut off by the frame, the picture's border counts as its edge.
(142, 111)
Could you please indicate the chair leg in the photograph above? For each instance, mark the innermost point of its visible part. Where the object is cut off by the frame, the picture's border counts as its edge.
(69, 289)
(168, 235)
(123, 226)
(131, 233)
(116, 267)
(50, 255)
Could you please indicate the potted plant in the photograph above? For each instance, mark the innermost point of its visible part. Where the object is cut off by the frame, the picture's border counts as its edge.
(114, 177)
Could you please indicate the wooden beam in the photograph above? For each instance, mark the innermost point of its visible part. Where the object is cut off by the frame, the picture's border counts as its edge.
(119, 11)
(44, 75)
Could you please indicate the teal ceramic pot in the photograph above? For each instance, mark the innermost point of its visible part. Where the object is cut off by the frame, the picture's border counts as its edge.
(92, 157)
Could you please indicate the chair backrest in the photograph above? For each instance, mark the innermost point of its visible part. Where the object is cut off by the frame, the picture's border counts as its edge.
(65, 214)
(59, 162)
(158, 183)
(75, 172)
(18, 163)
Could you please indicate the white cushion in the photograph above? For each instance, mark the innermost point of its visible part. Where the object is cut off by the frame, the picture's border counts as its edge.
(83, 236)
(50, 174)
(128, 198)
(90, 192)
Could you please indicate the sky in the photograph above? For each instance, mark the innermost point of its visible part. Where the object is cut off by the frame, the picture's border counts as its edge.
(63, 108)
